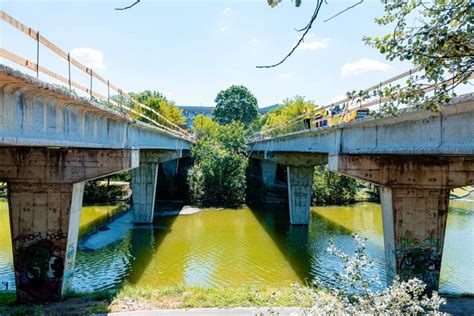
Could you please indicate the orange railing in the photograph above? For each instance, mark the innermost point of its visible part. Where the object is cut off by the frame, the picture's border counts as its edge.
(164, 124)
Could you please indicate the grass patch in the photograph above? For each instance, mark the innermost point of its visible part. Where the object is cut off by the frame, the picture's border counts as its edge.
(179, 296)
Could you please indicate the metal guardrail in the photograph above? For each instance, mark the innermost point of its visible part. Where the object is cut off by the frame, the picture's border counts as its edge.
(166, 124)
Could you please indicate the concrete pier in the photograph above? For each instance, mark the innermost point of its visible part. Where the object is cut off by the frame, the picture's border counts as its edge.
(45, 197)
(269, 169)
(144, 181)
(300, 182)
(415, 198)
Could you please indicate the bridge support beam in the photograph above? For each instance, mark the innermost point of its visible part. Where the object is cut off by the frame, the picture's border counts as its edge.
(269, 169)
(144, 180)
(300, 181)
(45, 197)
(415, 198)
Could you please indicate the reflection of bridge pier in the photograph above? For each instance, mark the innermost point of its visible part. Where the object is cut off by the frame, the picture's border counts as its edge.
(418, 157)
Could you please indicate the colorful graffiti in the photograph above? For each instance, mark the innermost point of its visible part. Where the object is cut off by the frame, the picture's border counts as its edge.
(39, 265)
(420, 259)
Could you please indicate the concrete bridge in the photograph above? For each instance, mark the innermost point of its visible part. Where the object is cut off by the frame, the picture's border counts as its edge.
(416, 158)
(51, 142)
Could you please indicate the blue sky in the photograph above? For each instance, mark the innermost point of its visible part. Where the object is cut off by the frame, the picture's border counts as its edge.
(190, 50)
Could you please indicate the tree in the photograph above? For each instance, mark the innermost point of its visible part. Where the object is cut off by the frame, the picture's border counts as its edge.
(332, 188)
(291, 108)
(435, 36)
(236, 103)
(218, 175)
(160, 104)
(204, 126)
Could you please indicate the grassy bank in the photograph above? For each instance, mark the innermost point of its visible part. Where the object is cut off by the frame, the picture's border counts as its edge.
(130, 298)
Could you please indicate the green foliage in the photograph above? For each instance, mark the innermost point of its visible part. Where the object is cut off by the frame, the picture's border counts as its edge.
(160, 104)
(434, 35)
(3, 190)
(218, 175)
(98, 193)
(290, 109)
(331, 188)
(236, 103)
(204, 126)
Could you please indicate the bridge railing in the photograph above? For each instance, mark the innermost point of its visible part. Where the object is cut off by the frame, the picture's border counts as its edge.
(123, 101)
(370, 98)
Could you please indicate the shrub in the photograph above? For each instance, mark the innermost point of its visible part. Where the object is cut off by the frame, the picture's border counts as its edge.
(332, 188)
(218, 175)
(97, 193)
(354, 295)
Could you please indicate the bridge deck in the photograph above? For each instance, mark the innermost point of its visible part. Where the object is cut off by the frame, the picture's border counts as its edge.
(36, 113)
(448, 132)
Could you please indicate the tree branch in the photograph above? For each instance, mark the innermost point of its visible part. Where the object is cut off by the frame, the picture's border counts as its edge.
(306, 30)
(126, 8)
(346, 9)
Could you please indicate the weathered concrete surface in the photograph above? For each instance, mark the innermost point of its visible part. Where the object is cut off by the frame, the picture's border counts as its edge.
(269, 169)
(34, 113)
(45, 197)
(415, 198)
(144, 180)
(296, 159)
(300, 182)
(448, 132)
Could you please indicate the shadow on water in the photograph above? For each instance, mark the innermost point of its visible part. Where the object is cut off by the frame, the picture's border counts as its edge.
(300, 244)
(145, 240)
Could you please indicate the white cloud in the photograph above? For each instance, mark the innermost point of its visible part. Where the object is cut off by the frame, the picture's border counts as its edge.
(362, 66)
(286, 75)
(227, 11)
(90, 57)
(224, 28)
(313, 43)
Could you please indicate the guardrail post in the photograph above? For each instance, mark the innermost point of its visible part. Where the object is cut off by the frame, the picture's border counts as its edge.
(37, 53)
(91, 83)
(69, 70)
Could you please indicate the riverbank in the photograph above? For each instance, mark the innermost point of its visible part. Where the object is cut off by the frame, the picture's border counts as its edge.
(173, 297)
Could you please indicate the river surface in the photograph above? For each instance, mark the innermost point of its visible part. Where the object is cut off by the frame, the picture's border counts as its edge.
(232, 248)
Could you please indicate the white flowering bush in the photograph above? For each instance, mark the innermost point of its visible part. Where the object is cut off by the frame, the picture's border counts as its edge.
(353, 292)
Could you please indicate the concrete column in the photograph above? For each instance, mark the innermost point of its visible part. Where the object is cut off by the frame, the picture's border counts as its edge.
(300, 181)
(45, 228)
(170, 168)
(415, 198)
(414, 222)
(269, 169)
(45, 197)
(144, 180)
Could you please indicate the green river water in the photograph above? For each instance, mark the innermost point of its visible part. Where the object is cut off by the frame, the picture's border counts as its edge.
(232, 248)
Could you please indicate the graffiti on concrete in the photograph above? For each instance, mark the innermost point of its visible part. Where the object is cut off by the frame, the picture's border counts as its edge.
(421, 259)
(39, 264)
(70, 259)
